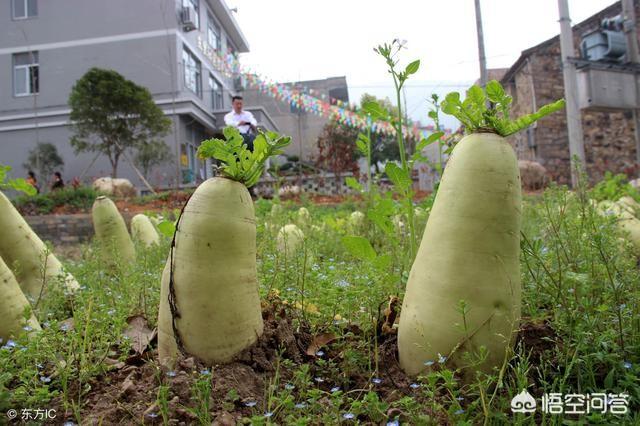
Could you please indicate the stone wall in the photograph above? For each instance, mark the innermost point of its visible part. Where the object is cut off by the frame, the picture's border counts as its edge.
(65, 229)
(609, 137)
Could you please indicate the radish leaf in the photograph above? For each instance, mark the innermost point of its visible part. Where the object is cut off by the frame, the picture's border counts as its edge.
(238, 162)
(474, 114)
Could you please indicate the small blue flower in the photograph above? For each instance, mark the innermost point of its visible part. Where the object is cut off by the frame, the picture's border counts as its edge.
(68, 424)
(332, 268)
(441, 359)
(289, 386)
(460, 411)
(393, 423)
(250, 404)
(627, 365)
(152, 415)
(10, 344)
(171, 374)
(460, 398)
(111, 311)
(64, 327)
(300, 405)
(205, 372)
(342, 283)
(320, 353)
(44, 379)
(622, 306)
(27, 328)
(376, 380)
(414, 385)
(429, 363)
(269, 414)
(348, 416)
(319, 379)
(335, 389)
(40, 366)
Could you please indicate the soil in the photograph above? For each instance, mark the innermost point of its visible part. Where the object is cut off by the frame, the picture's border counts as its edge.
(128, 392)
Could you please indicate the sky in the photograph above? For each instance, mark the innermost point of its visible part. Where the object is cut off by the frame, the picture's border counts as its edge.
(292, 40)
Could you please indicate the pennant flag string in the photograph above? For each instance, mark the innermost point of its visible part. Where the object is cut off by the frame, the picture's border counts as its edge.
(303, 97)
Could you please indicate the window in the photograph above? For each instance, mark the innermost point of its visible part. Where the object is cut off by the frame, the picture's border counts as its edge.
(23, 9)
(213, 34)
(25, 74)
(192, 72)
(216, 93)
(196, 7)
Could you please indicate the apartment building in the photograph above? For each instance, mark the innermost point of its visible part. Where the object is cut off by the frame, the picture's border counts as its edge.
(179, 49)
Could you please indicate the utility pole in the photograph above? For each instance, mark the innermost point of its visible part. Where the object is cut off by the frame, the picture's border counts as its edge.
(482, 57)
(574, 118)
(629, 23)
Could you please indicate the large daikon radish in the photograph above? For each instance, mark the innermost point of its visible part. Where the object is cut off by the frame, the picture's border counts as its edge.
(111, 232)
(143, 230)
(210, 305)
(463, 292)
(32, 262)
(14, 307)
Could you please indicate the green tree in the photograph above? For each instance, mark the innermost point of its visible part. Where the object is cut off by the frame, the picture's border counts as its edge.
(44, 160)
(152, 154)
(111, 115)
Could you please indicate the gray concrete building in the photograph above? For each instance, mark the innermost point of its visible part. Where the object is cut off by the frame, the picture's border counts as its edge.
(172, 47)
(303, 127)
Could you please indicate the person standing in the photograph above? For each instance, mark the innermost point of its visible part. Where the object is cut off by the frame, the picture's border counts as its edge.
(243, 120)
(31, 180)
(57, 183)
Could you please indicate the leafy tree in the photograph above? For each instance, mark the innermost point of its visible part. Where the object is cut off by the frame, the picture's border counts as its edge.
(111, 114)
(152, 154)
(44, 159)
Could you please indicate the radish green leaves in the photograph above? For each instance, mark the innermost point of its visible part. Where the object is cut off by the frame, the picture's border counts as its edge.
(239, 163)
(474, 114)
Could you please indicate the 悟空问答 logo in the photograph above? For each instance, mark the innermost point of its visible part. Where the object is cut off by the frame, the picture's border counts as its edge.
(523, 403)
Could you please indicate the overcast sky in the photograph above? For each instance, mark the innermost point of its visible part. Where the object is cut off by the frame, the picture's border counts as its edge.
(302, 39)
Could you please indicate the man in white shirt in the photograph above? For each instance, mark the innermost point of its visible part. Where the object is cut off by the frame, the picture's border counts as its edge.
(243, 120)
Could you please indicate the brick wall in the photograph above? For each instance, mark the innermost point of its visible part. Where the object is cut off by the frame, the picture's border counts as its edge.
(608, 136)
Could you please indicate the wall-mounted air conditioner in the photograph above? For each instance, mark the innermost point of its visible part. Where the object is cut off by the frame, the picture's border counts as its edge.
(188, 18)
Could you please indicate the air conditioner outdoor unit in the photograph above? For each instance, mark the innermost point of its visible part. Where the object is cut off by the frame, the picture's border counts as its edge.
(188, 18)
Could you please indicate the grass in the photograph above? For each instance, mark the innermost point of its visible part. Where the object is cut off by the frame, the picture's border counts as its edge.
(580, 333)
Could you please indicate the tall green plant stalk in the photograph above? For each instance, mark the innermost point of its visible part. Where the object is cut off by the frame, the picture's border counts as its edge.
(369, 181)
(434, 114)
(401, 177)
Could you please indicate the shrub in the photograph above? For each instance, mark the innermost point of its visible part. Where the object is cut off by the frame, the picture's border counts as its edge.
(613, 187)
(79, 199)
